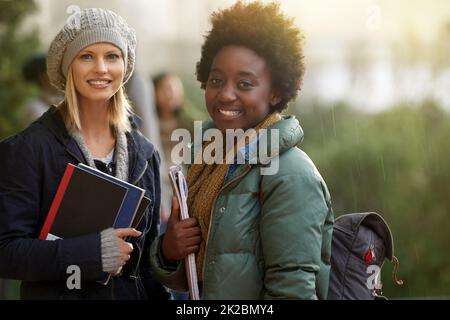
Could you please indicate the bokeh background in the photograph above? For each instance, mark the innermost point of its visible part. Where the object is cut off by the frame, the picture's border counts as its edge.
(374, 105)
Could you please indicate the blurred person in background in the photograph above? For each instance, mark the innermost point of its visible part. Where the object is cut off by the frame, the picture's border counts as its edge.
(35, 72)
(169, 100)
(141, 95)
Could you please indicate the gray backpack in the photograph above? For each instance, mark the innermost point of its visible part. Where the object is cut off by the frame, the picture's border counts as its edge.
(360, 244)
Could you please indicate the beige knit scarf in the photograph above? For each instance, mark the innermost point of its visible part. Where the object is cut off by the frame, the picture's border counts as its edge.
(204, 183)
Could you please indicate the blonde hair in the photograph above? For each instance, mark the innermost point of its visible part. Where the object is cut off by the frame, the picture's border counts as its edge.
(119, 109)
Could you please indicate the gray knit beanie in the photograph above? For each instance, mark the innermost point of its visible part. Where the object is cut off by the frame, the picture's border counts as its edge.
(86, 27)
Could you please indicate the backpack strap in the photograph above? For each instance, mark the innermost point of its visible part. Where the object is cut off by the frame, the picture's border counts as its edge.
(394, 272)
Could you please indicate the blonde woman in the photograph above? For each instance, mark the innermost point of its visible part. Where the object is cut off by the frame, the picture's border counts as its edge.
(90, 59)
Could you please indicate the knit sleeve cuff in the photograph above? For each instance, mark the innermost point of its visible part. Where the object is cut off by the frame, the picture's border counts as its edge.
(110, 251)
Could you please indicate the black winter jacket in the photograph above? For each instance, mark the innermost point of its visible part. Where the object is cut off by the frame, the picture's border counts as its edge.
(31, 166)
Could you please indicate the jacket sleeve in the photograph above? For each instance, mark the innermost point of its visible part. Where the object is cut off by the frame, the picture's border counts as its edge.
(22, 256)
(154, 289)
(294, 210)
(173, 277)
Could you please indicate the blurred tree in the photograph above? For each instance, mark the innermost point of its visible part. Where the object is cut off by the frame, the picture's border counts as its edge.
(15, 46)
(441, 50)
(194, 96)
(410, 50)
(359, 58)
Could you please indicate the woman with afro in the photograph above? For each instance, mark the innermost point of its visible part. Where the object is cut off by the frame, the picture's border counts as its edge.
(257, 234)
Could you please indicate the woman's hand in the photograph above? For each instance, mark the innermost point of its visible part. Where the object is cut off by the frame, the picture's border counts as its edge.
(125, 247)
(181, 237)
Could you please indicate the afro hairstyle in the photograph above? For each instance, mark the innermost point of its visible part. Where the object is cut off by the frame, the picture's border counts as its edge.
(269, 33)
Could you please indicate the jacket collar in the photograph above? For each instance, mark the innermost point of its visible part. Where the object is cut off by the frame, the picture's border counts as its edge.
(138, 155)
(139, 150)
(290, 134)
(53, 121)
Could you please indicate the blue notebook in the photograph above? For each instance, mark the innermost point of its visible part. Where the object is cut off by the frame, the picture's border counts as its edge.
(131, 202)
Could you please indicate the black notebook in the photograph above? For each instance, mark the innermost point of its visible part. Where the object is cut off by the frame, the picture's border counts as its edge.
(88, 201)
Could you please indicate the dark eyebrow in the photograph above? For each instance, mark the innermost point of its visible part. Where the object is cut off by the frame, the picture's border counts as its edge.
(247, 73)
(216, 70)
(242, 73)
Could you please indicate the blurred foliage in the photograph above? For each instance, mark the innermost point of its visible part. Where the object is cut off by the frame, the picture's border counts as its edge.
(194, 100)
(395, 163)
(441, 48)
(15, 47)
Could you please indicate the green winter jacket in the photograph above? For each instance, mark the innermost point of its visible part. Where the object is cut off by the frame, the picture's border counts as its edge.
(270, 235)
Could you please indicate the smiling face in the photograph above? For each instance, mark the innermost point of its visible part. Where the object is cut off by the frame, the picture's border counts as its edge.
(98, 72)
(239, 91)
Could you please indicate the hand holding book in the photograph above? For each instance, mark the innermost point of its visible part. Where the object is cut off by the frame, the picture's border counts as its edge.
(183, 235)
(125, 247)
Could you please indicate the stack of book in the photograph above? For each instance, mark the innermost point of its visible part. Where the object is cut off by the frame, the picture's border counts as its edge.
(89, 200)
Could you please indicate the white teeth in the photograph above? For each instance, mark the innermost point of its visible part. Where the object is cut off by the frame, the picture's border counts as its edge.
(229, 113)
(98, 82)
